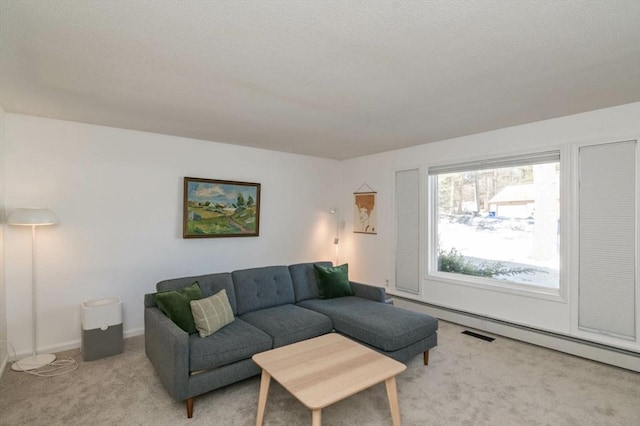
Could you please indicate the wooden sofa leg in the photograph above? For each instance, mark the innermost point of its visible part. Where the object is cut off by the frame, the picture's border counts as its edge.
(189, 407)
(426, 357)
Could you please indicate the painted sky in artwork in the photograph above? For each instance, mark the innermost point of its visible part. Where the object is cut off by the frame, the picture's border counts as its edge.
(219, 193)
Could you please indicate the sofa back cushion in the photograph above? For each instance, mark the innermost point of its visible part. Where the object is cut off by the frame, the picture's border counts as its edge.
(210, 284)
(305, 281)
(259, 288)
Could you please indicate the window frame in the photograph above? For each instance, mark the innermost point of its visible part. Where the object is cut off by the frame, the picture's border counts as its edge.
(488, 162)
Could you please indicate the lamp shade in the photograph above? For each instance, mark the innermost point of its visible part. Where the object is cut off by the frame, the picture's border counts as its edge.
(32, 216)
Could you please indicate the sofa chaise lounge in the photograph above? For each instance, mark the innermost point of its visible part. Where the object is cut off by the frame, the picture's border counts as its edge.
(273, 306)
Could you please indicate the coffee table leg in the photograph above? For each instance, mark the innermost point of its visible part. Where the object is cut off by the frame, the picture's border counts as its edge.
(392, 393)
(316, 417)
(265, 381)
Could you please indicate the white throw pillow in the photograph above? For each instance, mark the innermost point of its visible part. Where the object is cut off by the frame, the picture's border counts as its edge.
(212, 313)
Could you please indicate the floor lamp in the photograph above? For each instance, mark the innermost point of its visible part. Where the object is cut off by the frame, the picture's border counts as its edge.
(33, 218)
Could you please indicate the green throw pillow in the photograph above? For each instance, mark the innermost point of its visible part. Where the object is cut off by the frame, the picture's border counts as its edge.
(333, 281)
(212, 313)
(175, 305)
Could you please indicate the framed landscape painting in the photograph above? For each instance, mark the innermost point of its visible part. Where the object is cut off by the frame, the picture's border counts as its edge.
(220, 208)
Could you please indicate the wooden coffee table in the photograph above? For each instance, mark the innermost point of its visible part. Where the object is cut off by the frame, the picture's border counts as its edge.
(327, 369)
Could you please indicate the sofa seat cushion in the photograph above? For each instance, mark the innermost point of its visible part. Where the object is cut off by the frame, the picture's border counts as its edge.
(237, 341)
(288, 324)
(380, 325)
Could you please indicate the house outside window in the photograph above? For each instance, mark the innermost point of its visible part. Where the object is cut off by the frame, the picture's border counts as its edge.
(497, 222)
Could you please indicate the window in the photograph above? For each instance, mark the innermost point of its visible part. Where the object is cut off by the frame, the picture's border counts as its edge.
(498, 221)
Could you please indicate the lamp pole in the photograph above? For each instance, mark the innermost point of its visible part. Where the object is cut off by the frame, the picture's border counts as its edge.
(34, 295)
(33, 218)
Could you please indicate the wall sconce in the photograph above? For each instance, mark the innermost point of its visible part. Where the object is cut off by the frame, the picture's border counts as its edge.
(334, 211)
(336, 240)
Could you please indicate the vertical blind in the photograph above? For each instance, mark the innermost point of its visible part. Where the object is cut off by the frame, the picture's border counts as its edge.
(408, 230)
(607, 238)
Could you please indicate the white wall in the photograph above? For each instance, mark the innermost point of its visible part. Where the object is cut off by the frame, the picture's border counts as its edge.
(371, 257)
(118, 195)
(3, 303)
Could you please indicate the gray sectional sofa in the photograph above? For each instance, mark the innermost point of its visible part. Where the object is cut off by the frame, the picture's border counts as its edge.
(273, 306)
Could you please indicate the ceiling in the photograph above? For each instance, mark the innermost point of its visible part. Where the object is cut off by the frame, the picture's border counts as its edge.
(334, 79)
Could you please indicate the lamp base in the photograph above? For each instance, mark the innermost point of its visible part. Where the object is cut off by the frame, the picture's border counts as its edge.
(33, 362)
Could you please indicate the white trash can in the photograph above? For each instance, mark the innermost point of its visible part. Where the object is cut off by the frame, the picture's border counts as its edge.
(101, 328)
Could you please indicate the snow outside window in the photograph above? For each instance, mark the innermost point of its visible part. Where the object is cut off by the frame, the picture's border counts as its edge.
(497, 221)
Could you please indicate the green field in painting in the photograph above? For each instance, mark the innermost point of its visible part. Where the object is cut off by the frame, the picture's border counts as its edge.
(241, 221)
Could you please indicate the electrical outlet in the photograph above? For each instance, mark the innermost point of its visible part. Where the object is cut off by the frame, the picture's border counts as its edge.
(386, 283)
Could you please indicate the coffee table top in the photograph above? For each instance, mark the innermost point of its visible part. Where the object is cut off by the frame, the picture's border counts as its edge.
(327, 369)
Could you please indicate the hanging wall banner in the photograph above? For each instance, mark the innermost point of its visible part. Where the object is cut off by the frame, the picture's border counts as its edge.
(364, 213)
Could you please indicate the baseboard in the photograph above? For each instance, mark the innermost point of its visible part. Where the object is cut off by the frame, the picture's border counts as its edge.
(590, 350)
(133, 333)
(73, 344)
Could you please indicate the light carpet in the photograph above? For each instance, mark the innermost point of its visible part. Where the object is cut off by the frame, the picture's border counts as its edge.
(468, 382)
